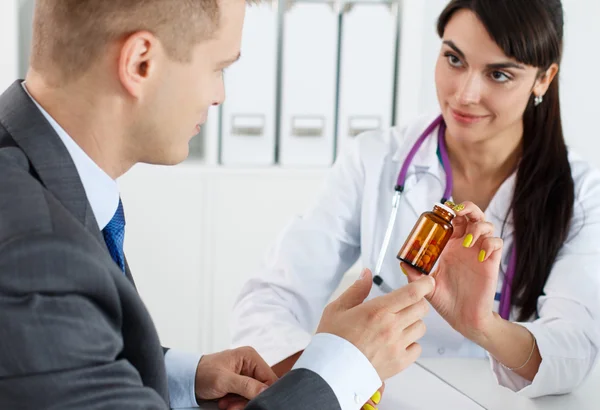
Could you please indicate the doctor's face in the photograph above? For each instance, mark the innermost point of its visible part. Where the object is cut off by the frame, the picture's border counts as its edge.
(482, 93)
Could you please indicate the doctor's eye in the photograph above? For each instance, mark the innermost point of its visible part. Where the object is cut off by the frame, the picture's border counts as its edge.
(500, 77)
(453, 60)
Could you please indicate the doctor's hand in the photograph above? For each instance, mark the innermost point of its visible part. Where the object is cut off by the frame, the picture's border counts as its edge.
(466, 274)
(233, 376)
(384, 329)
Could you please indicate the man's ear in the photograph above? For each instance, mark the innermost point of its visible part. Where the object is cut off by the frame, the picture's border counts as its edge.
(137, 61)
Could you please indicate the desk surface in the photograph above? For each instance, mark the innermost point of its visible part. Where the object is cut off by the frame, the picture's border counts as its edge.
(411, 390)
(468, 384)
(474, 378)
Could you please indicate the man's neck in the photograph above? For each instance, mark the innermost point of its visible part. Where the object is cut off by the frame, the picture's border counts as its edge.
(86, 121)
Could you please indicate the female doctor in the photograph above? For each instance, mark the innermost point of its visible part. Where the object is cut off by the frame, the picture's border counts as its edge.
(497, 144)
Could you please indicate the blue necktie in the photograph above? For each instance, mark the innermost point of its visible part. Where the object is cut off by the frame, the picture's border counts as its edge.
(114, 234)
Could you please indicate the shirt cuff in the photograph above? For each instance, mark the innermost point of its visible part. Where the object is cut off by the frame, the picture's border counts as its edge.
(181, 375)
(346, 370)
(510, 379)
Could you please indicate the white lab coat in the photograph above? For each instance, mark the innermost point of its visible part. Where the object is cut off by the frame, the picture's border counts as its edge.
(278, 311)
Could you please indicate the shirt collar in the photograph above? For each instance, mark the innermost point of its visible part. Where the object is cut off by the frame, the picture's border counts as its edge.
(101, 190)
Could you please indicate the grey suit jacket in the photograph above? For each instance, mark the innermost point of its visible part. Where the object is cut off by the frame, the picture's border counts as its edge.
(74, 334)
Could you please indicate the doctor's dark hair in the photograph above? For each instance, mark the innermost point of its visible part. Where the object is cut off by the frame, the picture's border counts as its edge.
(531, 31)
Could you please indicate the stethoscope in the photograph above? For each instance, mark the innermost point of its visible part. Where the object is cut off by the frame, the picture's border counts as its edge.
(504, 296)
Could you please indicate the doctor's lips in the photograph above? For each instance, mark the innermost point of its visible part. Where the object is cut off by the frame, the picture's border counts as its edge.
(466, 118)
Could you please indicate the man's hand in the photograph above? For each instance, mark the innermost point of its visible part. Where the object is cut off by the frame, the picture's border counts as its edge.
(239, 374)
(384, 329)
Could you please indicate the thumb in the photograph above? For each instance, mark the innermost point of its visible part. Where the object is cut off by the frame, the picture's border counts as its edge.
(245, 386)
(356, 294)
(411, 273)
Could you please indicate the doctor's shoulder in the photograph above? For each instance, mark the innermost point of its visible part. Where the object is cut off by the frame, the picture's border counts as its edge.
(586, 180)
(585, 218)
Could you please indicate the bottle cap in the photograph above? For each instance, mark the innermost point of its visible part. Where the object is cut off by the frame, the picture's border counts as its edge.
(446, 208)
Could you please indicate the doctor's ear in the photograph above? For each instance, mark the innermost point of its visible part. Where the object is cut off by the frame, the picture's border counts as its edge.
(544, 80)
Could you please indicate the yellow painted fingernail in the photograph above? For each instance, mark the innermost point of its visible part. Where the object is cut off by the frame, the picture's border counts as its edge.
(450, 204)
(368, 407)
(376, 397)
(468, 241)
(481, 255)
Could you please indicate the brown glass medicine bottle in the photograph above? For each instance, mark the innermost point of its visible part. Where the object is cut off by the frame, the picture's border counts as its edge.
(428, 238)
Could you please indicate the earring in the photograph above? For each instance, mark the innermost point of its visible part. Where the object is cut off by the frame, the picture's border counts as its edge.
(538, 100)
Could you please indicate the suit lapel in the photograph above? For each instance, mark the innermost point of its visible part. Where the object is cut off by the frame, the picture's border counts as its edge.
(128, 273)
(47, 154)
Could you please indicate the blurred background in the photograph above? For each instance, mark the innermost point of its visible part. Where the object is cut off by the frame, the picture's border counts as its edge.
(313, 75)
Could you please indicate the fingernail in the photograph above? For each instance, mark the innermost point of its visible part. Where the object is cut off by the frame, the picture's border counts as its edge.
(363, 273)
(481, 255)
(404, 271)
(368, 407)
(468, 241)
(450, 204)
(376, 397)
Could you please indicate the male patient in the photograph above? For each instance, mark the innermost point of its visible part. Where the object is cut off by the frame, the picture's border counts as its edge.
(113, 83)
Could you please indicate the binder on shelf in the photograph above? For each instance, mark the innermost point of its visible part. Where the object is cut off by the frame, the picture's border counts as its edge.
(367, 69)
(308, 84)
(248, 113)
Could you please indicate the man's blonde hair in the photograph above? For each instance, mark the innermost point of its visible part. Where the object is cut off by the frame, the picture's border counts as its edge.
(69, 35)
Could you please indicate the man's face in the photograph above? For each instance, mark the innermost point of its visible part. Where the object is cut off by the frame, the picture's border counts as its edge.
(182, 93)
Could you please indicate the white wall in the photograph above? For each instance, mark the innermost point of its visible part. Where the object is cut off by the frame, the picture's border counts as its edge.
(9, 43)
(420, 46)
(196, 234)
(25, 16)
(580, 84)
